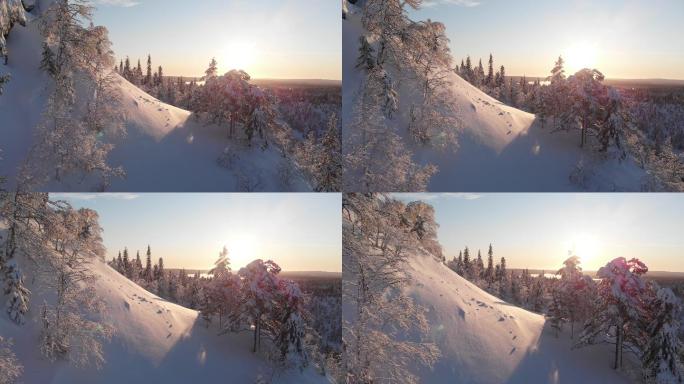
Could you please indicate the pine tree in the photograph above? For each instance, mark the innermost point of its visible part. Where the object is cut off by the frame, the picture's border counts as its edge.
(126, 264)
(504, 282)
(148, 76)
(121, 67)
(365, 60)
(127, 69)
(148, 266)
(212, 70)
(467, 264)
(490, 72)
(160, 76)
(489, 273)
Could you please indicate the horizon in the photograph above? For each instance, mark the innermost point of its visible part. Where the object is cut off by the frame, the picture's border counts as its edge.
(268, 39)
(623, 40)
(303, 230)
(537, 231)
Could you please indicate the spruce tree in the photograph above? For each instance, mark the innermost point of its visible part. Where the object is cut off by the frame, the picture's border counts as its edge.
(148, 76)
(490, 72)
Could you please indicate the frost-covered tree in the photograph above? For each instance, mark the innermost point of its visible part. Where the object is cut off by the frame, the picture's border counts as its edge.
(10, 367)
(258, 289)
(489, 80)
(376, 158)
(24, 214)
(489, 272)
(572, 295)
(661, 356)
(67, 142)
(376, 247)
(619, 308)
(69, 331)
(147, 273)
(588, 97)
(221, 289)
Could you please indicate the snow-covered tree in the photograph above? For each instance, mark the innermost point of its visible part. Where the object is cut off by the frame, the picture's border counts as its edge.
(572, 295)
(376, 159)
(619, 308)
(10, 367)
(661, 356)
(221, 289)
(23, 214)
(69, 331)
(67, 142)
(258, 289)
(375, 250)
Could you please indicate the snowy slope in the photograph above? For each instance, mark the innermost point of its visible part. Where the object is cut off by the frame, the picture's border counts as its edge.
(485, 340)
(165, 149)
(154, 341)
(500, 148)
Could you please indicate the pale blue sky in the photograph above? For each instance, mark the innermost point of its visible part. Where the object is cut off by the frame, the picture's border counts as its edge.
(267, 38)
(300, 231)
(622, 38)
(536, 230)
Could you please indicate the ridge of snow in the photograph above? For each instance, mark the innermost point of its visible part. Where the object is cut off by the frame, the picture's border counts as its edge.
(154, 341)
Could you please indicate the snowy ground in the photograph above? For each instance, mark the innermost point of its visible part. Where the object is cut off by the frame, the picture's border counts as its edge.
(165, 149)
(485, 340)
(154, 341)
(500, 148)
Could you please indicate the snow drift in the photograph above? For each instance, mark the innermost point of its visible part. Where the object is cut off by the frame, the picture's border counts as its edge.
(483, 339)
(153, 341)
(165, 147)
(500, 147)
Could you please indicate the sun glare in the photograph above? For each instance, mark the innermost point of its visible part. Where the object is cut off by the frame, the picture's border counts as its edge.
(242, 250)
(237, 55)
(586, 247)
(579, 56)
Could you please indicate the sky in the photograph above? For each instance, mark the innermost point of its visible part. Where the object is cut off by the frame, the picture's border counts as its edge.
(536, 230)
(287, 39)
(299, 231)
(622, 38)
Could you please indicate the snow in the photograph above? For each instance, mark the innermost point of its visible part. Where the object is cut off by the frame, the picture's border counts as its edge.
(485, 340)
(500, 147)
(154, 341)
(164, 150)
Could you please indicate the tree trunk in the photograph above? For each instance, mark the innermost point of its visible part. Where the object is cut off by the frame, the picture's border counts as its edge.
(618, 346)
(256, 327)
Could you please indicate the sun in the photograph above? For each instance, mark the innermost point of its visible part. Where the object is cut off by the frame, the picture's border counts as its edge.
(242, 250)
(237, 55)
(579, 56)
(586, 247)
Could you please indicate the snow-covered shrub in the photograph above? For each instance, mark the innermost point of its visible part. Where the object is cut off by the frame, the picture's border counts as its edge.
(10, 368)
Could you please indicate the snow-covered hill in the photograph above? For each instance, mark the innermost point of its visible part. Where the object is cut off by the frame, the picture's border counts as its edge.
(485, 340)
(154, 341)
(500, 148)
(165, 149)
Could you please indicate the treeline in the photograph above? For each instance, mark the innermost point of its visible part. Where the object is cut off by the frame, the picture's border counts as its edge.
(255, 299)
(621, 308)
